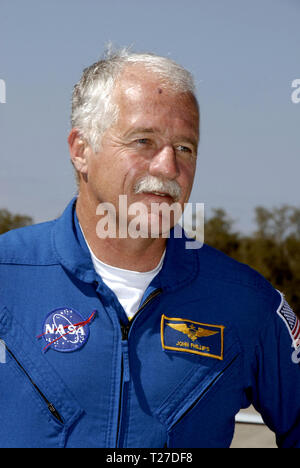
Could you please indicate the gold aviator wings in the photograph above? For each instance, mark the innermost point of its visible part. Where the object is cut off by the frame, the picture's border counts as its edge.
(192, 333)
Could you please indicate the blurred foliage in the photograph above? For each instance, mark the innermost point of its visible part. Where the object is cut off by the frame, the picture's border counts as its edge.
(273, 249)
(10, 221)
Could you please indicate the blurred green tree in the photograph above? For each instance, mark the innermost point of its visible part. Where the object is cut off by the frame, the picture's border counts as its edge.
(10, 221)
(219, 232)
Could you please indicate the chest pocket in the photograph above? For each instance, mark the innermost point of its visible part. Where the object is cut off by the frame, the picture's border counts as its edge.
(204, 401)
(36, 408)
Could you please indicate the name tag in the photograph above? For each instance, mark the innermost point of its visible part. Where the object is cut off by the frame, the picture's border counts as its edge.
(187, 336)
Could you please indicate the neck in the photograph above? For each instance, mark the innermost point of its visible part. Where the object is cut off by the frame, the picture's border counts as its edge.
(130, 254)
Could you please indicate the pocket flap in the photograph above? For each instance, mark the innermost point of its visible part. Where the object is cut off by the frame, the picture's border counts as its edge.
(38, 368)
(194, 387)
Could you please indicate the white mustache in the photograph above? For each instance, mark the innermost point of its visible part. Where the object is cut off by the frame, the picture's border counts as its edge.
(154, 184)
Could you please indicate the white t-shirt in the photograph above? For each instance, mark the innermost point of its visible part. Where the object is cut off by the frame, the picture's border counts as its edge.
(129, 286)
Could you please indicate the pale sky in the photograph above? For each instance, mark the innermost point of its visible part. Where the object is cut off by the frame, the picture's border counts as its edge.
(244, 56)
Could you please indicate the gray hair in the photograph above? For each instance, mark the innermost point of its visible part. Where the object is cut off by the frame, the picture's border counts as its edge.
(93, 109)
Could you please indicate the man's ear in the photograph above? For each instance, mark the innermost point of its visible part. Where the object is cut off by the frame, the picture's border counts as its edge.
(78, 151)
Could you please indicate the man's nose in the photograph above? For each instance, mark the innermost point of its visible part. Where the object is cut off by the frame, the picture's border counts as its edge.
(164, 163)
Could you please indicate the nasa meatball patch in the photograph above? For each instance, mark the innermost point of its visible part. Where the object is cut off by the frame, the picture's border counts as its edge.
(65, 330)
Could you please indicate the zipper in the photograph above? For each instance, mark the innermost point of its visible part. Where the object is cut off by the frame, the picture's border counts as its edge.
(125, 329)
(204, 391)
(50, 405)
(125, 371)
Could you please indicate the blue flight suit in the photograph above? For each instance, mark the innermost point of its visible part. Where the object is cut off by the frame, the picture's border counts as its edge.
(211, 336)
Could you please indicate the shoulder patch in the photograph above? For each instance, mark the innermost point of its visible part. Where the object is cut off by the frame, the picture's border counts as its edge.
(291, 321)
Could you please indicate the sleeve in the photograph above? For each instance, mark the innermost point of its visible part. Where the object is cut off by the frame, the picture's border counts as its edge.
(276, 386)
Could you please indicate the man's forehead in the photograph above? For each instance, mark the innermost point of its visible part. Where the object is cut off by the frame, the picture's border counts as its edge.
(141, 94)
(136, 82)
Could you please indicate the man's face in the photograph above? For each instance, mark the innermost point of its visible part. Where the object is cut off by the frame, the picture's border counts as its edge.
(156, 135)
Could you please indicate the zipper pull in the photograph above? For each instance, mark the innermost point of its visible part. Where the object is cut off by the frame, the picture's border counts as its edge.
(125, 332)
(55, 413)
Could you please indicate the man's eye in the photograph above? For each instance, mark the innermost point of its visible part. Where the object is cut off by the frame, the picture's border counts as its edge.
(143, 141)
(184, 149)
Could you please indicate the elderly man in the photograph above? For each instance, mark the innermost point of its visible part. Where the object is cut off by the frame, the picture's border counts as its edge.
(132, 339)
